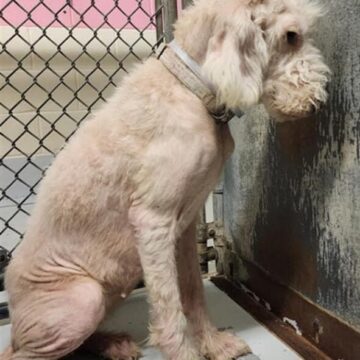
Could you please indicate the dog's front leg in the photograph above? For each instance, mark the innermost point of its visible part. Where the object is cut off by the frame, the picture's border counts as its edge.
(156, 241)
(214, 344)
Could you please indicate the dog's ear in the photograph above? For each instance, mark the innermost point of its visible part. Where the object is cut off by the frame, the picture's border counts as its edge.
(235, 61)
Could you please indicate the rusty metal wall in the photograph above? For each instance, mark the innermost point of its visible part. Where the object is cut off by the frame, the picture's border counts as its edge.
(292, 191)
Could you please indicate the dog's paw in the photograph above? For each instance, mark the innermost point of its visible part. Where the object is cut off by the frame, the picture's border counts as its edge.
(187, 354)
(114, 346)
(223, 345)
(187, 351)
(175, 346)
(122, 347)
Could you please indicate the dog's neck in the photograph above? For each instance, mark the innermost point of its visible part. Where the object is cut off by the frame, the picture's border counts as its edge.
(188, 72)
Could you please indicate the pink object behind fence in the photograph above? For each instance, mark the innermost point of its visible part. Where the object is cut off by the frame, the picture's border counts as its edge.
(81, 13)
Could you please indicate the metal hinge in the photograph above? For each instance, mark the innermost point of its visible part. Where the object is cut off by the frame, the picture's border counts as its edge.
(206, 252)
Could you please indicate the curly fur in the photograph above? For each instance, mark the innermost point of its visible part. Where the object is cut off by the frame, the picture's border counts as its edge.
(245, 53)
(120, 200)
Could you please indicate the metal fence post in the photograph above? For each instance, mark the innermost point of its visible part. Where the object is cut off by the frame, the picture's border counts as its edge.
(185, 3)
(166, 17)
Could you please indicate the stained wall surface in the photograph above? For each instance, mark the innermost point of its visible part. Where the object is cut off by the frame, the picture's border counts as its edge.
(292, 190)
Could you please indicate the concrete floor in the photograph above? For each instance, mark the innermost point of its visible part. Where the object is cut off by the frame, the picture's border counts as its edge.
(133, 318)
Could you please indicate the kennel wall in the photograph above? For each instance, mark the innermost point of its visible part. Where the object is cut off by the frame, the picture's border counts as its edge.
(291, 201)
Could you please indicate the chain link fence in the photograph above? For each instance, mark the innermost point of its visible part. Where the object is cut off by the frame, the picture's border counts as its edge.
(59, 60)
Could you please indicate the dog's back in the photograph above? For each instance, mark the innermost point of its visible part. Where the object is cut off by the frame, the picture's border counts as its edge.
(81, 212)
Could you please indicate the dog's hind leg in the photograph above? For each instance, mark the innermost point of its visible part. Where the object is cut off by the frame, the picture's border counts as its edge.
(51, 323)
(214, 344)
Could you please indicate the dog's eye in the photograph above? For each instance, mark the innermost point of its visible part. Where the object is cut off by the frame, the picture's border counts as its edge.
(292, 38)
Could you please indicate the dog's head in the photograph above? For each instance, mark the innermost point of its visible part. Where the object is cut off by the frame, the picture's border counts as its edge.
(258, 51)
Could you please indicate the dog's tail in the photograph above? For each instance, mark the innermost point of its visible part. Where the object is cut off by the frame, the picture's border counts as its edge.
(7, 354)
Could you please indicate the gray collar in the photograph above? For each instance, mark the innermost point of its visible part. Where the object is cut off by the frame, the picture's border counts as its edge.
(188, 72)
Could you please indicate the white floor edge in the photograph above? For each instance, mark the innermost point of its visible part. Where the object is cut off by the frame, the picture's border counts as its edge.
(132, 317)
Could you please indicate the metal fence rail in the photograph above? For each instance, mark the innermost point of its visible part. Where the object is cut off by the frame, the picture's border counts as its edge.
(52, 55)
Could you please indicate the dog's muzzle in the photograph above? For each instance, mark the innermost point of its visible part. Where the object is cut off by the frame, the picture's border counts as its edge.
(188, 72)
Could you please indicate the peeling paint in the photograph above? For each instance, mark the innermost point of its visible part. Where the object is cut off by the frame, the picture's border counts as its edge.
(249, 292)
(318, 331)
(255, 297)
(293, 324)
(267, 306)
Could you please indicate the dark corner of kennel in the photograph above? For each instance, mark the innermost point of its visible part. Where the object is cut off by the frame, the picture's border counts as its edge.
(315, 335)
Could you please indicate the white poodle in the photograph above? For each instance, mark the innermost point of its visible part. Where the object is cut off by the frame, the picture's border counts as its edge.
(120, 201)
